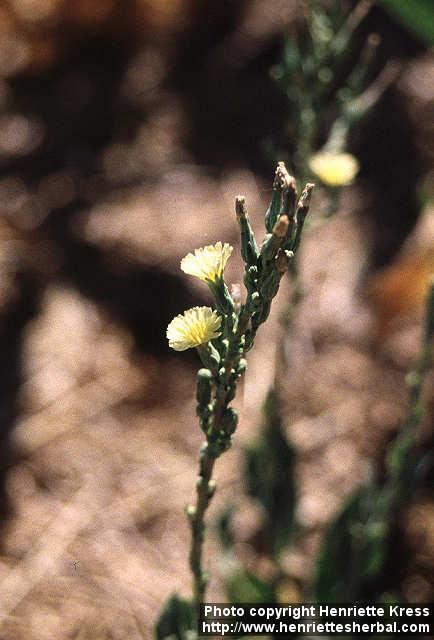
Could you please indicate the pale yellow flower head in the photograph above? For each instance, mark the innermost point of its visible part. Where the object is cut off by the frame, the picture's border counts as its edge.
(207, 263)
(195, 327)
(334, 169)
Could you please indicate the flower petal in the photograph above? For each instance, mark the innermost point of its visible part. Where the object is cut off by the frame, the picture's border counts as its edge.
(207, 263)
(194, 327)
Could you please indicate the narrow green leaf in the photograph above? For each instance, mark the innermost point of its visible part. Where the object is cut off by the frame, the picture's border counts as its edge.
(273, 210)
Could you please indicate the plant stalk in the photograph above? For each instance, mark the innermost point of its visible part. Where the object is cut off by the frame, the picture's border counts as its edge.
(205, 486)
(264, 270)
(204, 495)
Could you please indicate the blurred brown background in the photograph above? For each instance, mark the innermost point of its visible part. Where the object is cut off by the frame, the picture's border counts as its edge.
(126, 130)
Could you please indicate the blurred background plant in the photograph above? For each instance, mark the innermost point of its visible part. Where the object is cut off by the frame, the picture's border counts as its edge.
(357, 560)
(323, 73)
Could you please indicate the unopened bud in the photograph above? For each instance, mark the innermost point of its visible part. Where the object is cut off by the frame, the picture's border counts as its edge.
(306, 196)
(211, 488)
(191, 512)
(256, 298)
(242, 365)
(240, 207)
(282, 179)
(203, 389)
(249, 249)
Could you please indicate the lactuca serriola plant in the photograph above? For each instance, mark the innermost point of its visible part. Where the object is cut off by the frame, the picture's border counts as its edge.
(223, 336)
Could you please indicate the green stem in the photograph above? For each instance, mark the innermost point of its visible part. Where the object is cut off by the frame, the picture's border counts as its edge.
(399, 461)
(205, 487)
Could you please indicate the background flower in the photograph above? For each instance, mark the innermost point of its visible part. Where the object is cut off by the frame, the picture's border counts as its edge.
(334, 169)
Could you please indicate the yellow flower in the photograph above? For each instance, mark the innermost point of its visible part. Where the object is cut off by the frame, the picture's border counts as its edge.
(207, 263)
(334, 169)
(195, 327)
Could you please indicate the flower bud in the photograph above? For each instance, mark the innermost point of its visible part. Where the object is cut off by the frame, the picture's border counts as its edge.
(256, 298)
(282, 179)
(304, 201)
(191, 512)
(204, 387)
(240, 207)
(249, 249)
(242, 366)
(250, 276)
(211, 488)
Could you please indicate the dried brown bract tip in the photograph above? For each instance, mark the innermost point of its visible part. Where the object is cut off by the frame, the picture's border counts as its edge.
(306, 195)
(289, 196)
(240, 207)
(282, 179)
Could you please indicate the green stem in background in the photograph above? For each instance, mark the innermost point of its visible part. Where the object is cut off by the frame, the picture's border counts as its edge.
(324, 95)
(367, 521)
(400, 462)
